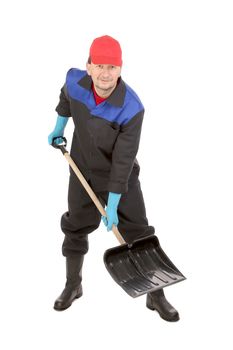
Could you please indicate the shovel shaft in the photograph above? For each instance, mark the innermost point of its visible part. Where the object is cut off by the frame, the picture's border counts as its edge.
(91, 194)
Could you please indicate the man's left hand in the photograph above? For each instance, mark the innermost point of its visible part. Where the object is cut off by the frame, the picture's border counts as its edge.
(111, 210)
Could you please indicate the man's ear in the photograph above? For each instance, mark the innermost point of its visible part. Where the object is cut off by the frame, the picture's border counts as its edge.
(88, 66)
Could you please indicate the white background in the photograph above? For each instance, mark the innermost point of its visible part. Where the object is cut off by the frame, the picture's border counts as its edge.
(178, 58)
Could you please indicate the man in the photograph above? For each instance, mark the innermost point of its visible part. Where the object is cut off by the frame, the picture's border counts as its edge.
(107, 117)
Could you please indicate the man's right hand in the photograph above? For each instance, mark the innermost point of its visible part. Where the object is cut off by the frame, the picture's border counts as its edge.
(58, 130)
(53, 135)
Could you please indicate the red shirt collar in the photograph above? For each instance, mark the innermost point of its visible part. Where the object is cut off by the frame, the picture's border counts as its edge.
(98, 99)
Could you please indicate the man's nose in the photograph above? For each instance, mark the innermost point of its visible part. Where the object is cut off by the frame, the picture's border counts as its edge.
(105, 71)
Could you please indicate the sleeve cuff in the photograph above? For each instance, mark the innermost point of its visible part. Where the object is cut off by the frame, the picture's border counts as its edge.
(62, 112)
(117, 187)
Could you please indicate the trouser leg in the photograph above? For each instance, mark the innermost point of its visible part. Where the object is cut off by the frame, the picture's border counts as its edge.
(81, 219)
(133, 222)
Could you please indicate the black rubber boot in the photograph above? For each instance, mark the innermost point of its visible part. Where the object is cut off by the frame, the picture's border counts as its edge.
(73, 287)
(157, 301)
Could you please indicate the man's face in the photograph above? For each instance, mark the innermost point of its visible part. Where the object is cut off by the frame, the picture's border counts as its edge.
(104, 77)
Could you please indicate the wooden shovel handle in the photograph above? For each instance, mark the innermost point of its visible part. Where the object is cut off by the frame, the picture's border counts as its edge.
(91, 194)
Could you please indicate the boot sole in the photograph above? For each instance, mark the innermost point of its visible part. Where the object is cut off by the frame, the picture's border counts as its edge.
(67, 306)
(175, 319)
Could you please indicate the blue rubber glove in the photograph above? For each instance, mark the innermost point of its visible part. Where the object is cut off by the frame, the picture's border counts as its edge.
(111, 210)
(58, 130)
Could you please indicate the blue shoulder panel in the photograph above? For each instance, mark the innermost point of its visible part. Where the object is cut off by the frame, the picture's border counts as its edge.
(120, 115)
(132, 105)
(76, 91)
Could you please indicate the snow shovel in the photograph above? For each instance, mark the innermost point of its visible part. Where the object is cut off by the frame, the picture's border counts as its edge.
(140, 267)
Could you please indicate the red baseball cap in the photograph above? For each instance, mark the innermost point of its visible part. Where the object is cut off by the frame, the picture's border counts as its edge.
(106, 50)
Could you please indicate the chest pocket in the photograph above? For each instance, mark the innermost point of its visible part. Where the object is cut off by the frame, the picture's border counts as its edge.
(103, 134)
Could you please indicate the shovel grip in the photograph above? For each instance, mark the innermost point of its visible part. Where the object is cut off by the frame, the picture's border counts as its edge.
(88, 189)
(62, 146)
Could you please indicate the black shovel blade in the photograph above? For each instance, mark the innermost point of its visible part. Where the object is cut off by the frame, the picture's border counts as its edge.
(142, 267)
